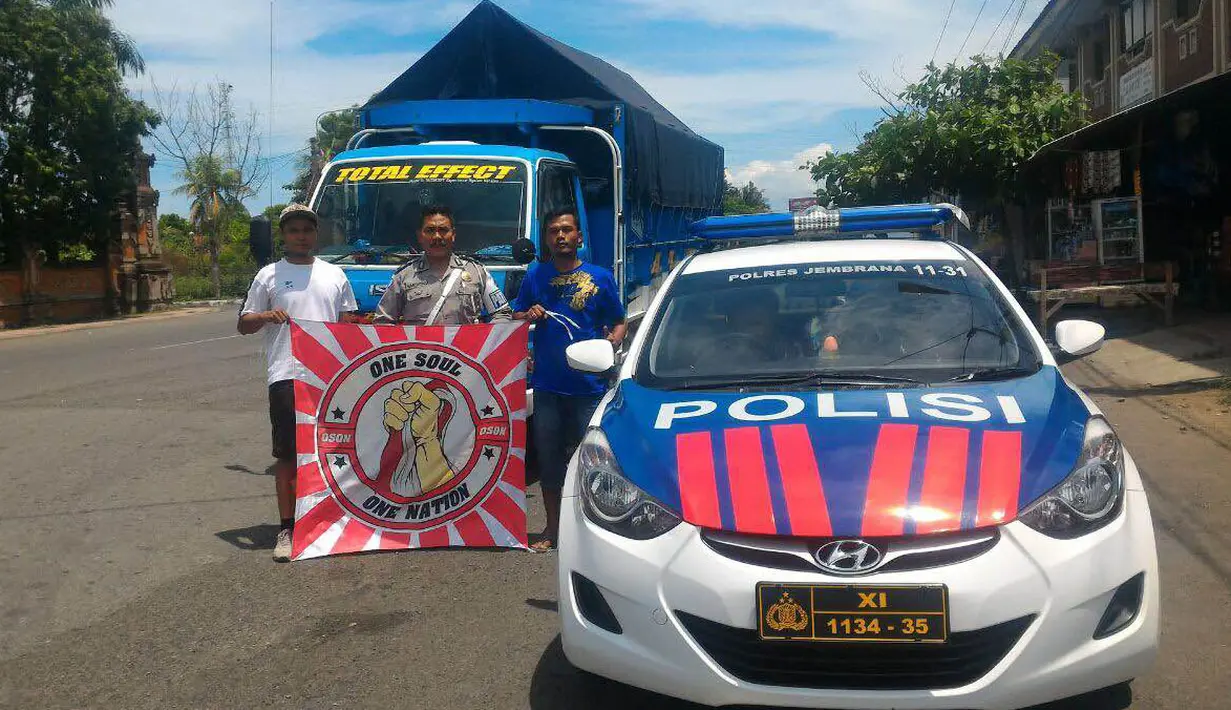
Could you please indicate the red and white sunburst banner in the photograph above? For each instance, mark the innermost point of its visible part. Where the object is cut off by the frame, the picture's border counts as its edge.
(409, 437)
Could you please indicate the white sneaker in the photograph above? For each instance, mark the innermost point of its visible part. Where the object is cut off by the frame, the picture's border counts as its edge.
(282, 548)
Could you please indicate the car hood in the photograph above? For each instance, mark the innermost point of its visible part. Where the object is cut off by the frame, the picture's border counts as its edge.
(849, 462)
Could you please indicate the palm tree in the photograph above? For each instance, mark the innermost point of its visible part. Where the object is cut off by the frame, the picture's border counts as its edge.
(89, 13)
(216, 193)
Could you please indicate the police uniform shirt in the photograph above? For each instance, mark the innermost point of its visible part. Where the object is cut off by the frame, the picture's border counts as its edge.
(415, 289)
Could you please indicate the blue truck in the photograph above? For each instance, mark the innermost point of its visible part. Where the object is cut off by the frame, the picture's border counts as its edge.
(503, 124)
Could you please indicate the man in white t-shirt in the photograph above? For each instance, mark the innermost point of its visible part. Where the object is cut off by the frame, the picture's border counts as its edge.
(302, 287)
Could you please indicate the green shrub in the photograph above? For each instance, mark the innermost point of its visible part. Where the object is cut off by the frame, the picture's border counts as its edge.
(193, 288)
(190, 287)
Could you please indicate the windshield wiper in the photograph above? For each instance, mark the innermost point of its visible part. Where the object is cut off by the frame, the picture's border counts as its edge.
(994, 373)
(804, 379)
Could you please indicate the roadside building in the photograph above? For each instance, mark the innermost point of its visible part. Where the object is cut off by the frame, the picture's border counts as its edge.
(1148, 181)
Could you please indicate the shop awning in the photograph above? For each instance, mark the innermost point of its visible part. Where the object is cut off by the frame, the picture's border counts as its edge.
(1120, 130)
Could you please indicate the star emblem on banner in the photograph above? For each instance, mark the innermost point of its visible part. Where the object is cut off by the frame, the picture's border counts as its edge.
(338, 413)
(339, 461)
(488, 410)
(488, 453)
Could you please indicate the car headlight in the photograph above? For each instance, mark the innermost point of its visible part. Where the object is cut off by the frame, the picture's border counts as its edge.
(1091, 495)
(610, 501)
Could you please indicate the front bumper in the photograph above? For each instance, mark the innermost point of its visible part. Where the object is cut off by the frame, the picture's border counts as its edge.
(673, 597)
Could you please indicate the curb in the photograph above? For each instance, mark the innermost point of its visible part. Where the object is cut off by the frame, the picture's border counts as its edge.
(208, 304)
(177, 311)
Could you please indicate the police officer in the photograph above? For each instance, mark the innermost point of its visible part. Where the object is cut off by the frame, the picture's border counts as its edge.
(439, 287)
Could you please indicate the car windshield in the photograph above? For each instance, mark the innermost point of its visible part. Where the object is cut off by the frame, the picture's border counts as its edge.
(369, 211)
(901, 322)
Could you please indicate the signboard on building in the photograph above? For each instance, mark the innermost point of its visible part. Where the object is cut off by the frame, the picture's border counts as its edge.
(1137, 85)
(799, 204)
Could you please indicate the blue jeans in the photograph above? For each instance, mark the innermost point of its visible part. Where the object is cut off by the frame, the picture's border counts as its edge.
(558, 427)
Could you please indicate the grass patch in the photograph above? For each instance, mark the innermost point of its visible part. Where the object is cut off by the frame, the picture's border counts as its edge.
(200, 288)
(1224, 391)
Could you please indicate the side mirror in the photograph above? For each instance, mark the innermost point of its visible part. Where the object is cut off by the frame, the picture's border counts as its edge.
(1078, 338)
(261, 239)
(593, 356)
(523, 251)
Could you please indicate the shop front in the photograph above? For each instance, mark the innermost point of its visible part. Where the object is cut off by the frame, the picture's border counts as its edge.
(1123, 198)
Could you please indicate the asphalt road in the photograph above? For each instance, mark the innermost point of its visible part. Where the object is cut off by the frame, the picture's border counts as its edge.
(136, 517)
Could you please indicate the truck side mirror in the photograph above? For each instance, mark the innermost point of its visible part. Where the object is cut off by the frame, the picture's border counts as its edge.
(523, 251)
(260, 239)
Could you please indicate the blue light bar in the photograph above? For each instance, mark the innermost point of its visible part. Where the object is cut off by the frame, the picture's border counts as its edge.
(822, 222)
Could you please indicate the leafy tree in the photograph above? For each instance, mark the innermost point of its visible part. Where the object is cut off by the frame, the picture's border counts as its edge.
(217, 153)
(175, 233)
(273, 212)
(333, 131)
(216, 193)
(746, 199)
(960, 130)
(69, 132)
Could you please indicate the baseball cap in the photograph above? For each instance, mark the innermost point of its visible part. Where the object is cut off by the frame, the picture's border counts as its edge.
(296, 210)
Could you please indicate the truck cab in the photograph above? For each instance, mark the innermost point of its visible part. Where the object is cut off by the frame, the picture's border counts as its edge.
(369, 202)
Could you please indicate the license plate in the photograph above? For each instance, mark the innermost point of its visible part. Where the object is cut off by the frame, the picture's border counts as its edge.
(818, 612)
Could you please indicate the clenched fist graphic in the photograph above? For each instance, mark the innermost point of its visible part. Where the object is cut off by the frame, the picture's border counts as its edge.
(414, 457)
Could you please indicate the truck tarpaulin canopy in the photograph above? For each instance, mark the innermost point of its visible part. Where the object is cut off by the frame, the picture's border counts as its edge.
(492, 55)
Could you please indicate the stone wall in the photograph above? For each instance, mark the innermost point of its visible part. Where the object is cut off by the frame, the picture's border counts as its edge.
(132, 280)
(35, 296)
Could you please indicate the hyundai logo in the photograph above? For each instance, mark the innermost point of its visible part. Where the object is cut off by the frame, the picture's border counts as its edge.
(848, 557)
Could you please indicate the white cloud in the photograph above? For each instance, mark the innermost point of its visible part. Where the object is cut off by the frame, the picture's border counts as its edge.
(192, 42)
(889, 40)
(188, 44)
(779, 179)
(886, 24)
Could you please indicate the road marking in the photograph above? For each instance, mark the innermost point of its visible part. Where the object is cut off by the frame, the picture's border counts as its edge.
(196, 342)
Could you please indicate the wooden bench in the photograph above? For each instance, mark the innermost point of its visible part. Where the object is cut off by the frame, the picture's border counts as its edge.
(1161, 295)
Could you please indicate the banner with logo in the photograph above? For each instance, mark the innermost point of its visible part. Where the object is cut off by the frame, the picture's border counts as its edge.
(409, 437)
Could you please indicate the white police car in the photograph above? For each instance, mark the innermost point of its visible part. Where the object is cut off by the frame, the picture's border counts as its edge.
(847, 473)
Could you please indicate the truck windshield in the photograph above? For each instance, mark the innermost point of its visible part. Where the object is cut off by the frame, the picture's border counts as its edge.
(900, 323)
(369, 210)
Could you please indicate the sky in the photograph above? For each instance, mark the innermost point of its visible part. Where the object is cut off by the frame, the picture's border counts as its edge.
(775, 82)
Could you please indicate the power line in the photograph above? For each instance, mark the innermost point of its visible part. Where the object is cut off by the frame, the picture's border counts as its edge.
(943, 28)
(1009, 37)
(992, 36)
(974, 24)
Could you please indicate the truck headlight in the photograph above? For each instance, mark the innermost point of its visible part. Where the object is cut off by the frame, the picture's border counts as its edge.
(610, 501)
(1091, 496)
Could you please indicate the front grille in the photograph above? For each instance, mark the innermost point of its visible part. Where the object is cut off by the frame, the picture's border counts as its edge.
(900, 554)
(966, 657)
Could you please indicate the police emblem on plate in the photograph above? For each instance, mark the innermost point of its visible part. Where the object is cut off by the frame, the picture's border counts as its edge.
(786, 614)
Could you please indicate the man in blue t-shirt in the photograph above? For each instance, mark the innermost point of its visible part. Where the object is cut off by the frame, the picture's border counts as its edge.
(570, 301)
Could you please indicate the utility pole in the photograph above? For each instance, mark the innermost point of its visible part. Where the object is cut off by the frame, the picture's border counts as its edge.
(269, 134)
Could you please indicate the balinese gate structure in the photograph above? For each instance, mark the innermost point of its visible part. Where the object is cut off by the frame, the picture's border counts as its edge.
(131, 278)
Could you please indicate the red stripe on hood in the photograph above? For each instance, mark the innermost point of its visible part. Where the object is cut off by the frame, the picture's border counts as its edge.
(801, 481)
(889, 482)
(698, 488)
(1000, 476)
(944, 480)
(754, 512)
